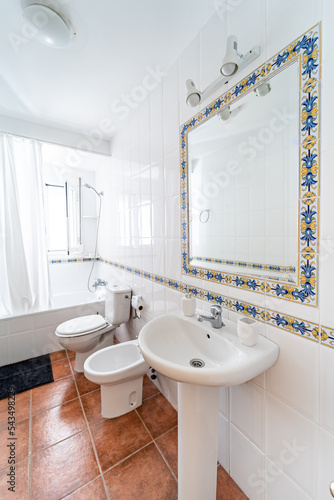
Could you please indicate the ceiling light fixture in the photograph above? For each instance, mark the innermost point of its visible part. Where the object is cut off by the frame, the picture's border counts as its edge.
(232, 63)
(47, 26)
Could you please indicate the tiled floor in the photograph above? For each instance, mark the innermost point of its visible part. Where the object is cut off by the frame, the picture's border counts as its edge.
(65, 449)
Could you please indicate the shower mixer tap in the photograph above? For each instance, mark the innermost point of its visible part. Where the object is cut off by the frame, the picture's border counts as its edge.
(99, 282)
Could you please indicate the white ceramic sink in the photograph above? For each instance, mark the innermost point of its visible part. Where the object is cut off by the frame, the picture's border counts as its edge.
(170, 343)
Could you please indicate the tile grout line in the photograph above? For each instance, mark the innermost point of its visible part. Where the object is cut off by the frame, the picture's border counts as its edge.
(165, 459)
(129, 456)
(89, 431)
(155, 444)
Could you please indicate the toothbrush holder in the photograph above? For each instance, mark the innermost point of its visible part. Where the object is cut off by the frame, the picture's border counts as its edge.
(248, 331)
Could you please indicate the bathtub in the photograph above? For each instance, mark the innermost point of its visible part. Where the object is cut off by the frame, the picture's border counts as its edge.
(26, 336)
(30, 335)
(80, 297)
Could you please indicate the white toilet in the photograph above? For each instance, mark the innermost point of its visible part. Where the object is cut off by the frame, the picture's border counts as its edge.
(119, 369)
(88, 334)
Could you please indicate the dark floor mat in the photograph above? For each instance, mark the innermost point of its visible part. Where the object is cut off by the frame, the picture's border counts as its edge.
(24, 375)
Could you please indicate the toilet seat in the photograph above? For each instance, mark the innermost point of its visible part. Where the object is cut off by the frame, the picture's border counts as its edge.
(84, 325)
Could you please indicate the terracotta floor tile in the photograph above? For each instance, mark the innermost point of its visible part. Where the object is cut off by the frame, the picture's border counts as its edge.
(55, 356)
(53, 394)
(227, 489)
(21, 487)
(51, 426)
(116, 438)
(92, 407)
(61, 369)
(142, 476)
(17, 443)
(158, 415)
(149, 389)
(93, 490)
(167, 444)
(21, 407)
(63, 468)
(84, 385)
(71, 353)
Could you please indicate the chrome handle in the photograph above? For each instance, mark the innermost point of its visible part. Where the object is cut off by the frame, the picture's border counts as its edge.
(331, 488)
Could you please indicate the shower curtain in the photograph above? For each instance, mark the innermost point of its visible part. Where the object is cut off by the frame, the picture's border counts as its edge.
(24, 276)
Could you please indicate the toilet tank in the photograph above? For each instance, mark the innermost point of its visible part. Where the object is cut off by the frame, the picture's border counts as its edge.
(117, 304)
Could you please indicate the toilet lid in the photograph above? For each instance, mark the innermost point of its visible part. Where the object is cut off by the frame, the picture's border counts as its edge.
(82, 325)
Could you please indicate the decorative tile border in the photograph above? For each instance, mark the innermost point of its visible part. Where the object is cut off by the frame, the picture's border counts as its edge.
(306, 49)
(297, 326)
(327, 336)
(70, 261)
(262, 267)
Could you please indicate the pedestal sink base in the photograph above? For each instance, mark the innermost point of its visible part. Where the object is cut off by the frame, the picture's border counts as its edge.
(197, 441)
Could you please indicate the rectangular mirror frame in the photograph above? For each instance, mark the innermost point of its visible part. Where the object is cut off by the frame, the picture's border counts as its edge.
(307, 50)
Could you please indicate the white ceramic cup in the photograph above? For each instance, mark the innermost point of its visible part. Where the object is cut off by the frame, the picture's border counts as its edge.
(248, 331)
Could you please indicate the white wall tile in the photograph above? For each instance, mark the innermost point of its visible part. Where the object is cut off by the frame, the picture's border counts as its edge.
(157, 181)
(158, 218)
(172, 173)
(144, 134)
(172, 212)
(171, 109)
(158, 256)
(224, 442)
(248, 411)
(327, 25)
(173, 261)
(246, 465)
(212, 45)
(326, 200)
(326, 265)
(294, 378)
(296, 16)
(159, 305)
(245, 19)
(292, 441)
(188, 69)
(173, 301)
(326, 388)
(224, 403)
(279, 486)
(325, 465)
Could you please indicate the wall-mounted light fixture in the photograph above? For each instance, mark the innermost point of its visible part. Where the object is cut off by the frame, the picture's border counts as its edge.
(232, 63)
(262, 90)
(48, 26)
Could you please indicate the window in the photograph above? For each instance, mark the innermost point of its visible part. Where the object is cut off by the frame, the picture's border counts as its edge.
(62, 218)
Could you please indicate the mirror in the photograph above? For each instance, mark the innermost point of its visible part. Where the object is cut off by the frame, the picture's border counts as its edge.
(250, 180)
(243, 181)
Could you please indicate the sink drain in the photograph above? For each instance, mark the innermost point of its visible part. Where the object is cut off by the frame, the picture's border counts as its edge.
(197, 363)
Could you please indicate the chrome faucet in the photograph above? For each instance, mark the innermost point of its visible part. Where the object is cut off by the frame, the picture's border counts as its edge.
(99, 282)
(215, 319)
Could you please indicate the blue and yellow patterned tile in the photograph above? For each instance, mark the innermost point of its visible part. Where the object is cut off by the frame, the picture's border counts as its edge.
(294, 325)
(308, 279)
(292, 292)
(327, 336)
(309, 174)
(308, 225)
(247, 309)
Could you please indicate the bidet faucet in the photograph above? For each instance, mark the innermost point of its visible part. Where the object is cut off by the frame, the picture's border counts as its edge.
(215, 319)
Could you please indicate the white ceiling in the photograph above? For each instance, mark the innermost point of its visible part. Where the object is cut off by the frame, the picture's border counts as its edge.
(73, 88)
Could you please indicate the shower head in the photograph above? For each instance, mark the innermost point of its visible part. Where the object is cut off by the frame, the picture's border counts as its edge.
(91, 187)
